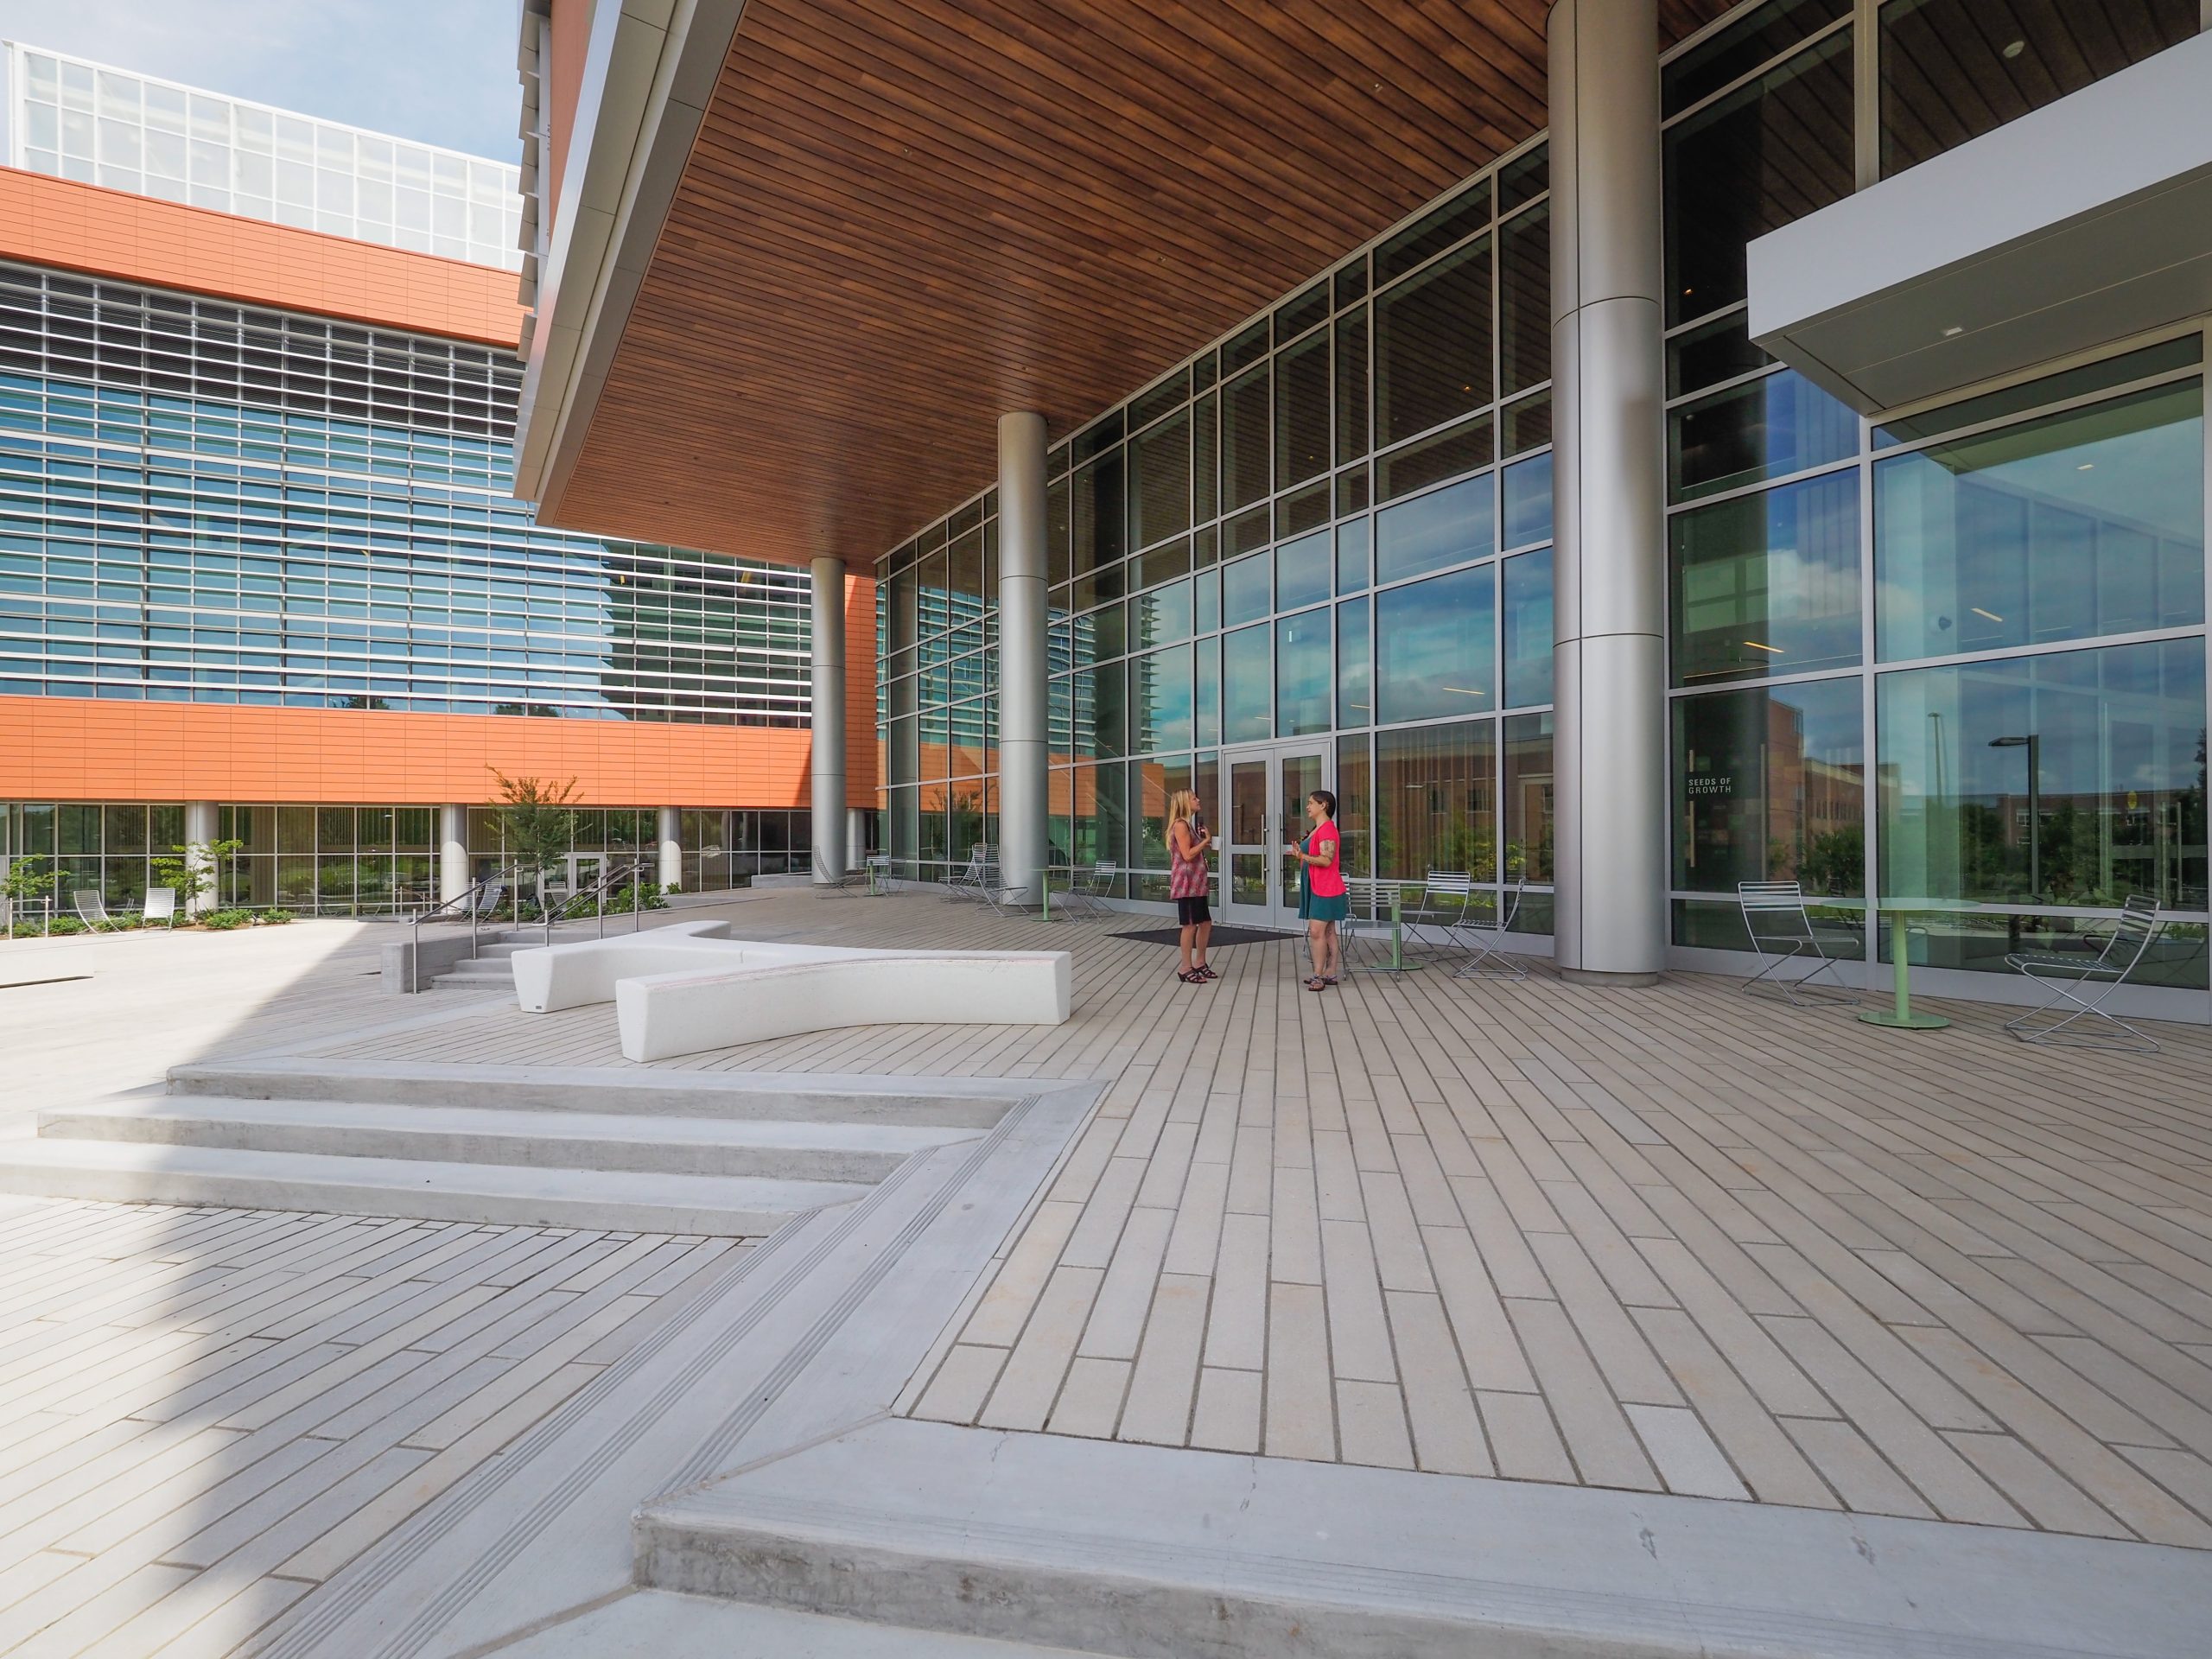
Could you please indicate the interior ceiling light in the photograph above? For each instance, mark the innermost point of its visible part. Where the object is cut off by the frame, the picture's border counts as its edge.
(1956, 328)
(1774, 650)
(2016, 48)
(1992, 615)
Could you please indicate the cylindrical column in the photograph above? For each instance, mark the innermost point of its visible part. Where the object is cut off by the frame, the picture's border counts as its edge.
(201, 821)
(856, 836)
(828, 718)
(672, 847)
(453, 853)
(1023, 752)
(1611, 911)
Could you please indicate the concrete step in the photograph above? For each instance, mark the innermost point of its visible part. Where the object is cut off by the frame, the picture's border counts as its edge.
(122, 1172)
(1158, 1553)
(699, 1627)
(478, 972)
(651, 1090)
(486, 1134)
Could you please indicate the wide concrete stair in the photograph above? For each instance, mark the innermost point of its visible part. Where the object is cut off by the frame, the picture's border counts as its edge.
(539, 1146)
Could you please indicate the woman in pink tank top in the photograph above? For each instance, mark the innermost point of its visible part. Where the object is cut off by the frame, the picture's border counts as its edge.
(1322, 900)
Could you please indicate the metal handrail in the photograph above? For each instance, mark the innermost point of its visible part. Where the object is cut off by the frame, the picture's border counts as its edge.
(469, 897)
(607, 883)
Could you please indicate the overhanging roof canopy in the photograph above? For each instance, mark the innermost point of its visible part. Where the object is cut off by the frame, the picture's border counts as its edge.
(2079, 224)
(806, 252)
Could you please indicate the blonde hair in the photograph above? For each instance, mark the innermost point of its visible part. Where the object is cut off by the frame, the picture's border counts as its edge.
(1179, 807)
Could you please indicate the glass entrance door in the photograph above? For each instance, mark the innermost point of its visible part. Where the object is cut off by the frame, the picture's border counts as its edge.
(1267, 790)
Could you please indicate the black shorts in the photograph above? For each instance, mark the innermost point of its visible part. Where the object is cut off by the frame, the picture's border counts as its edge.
(1189, 912)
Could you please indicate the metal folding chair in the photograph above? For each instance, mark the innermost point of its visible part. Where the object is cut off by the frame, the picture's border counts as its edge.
(1087, 893)
(1487, 957)
(1783, 933)
(92, 909)
(161, 905)
(1448, 897)
(967, 883)
(2076, 986)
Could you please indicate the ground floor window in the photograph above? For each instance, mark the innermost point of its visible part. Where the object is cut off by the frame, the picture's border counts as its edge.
(369, 860)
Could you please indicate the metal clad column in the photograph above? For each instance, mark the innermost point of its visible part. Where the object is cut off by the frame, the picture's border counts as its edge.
(1022, 754)
(453, 853)
(828, 720)
(671, 848)
(1608, 391)
(203, 825)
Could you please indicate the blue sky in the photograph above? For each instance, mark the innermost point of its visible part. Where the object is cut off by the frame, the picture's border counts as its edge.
(439, 71)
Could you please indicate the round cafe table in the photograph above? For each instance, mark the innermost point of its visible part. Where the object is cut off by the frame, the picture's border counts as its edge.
(1900, 912)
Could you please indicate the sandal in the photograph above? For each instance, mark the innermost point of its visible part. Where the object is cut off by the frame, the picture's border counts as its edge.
(1317, 983)
(1205, 972)
(1194, 977)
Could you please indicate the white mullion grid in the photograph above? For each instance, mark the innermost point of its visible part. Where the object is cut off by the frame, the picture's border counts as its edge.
(1760, 487)
(1866, 93)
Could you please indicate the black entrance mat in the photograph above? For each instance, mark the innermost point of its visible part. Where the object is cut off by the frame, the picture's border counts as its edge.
(1223, 934)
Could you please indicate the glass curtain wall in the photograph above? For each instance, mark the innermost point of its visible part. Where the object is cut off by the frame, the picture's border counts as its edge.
(366, 861)
(211, 503)
(1336, 522)
(1349, 497)
(1958, 655)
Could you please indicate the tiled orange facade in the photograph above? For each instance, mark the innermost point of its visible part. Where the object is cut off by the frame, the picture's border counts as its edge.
(80, 749)
(100, 232)
(74, 749)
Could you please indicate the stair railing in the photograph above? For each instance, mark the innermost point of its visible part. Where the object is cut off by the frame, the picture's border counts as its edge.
(445, 909)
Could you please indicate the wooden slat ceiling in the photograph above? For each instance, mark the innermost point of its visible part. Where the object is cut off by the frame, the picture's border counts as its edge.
(903, 218)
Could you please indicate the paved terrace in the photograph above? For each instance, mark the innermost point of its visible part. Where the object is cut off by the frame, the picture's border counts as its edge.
(1666, 1239)
(1673, 1239)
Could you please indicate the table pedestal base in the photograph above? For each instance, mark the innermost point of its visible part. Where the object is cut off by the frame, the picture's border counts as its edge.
(1904, 1021)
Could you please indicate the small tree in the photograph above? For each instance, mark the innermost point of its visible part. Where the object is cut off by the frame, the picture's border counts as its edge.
(25, 882)
(538, 822)
(194, 869)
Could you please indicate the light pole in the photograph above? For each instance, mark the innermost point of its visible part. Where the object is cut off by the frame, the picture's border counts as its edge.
(2032, 742)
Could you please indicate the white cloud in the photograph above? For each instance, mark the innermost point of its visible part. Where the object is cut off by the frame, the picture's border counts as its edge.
(440, 71)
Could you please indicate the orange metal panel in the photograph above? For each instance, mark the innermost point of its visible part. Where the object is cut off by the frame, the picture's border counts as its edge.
(71, 748)
(101, 232)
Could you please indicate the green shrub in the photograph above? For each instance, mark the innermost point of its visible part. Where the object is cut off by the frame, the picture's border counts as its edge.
(64, 925)
(273, 917)
(223, 920)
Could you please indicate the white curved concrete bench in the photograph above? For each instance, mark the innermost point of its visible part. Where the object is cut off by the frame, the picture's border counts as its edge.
(688, 987)
(665, 1014)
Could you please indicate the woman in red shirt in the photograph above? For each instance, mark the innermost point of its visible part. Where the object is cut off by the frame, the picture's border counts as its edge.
(1322, 900)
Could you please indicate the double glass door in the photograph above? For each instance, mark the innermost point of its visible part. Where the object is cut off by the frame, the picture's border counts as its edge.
(1267, 789)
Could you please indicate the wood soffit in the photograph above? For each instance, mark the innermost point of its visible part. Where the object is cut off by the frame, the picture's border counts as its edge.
(903, 218)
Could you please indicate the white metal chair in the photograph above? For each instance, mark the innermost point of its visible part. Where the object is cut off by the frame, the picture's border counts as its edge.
(1783, 933)
(967, 882)
(1484, 943)
(879, 875)
(161, 905)
(92, 909)
(2076, 986)
(1448, 897)
(1088, 893)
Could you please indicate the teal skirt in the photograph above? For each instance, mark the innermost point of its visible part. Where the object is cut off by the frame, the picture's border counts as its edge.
(1312, 908)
